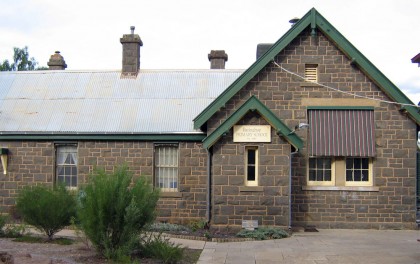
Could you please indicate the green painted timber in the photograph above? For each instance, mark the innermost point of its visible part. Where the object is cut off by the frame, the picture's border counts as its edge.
(253, 104)
(316, 21)
(100, 137)
(340, 107)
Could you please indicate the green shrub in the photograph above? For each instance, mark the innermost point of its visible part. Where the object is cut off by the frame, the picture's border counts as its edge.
(47, 209)
(197, 224)
(3, 220)
(263, 233)
(14, 231)
(154, 245)
(112, 213)
(167, 227)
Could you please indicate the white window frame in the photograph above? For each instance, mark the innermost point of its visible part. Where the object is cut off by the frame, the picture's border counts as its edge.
(61, 163)
(166, 168)
(322, 183)
(338, 174)
(360, 183)
(255, 166)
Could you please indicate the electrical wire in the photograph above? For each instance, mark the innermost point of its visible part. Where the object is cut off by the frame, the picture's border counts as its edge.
(340, 91)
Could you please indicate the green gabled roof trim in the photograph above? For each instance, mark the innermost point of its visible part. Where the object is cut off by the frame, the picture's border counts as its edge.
(107, 137)
(316, 21)
(340, 107)
(253, 104)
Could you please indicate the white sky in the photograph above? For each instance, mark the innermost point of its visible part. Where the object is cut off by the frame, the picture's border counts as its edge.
(178, 34)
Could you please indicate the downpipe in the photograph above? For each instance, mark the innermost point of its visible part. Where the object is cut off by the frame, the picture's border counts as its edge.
(290, 187)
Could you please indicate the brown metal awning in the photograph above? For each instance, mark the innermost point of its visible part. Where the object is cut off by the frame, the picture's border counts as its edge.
(348, 133)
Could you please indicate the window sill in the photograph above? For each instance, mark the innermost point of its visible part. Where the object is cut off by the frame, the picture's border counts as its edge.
(341, 188)
(171, 195)
(251, 189)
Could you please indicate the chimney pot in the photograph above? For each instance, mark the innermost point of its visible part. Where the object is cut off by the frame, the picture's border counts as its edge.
(217, 59)
(131, 53)
(56, 62)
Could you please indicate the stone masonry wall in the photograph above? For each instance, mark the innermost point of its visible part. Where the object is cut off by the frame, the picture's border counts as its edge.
(32, 163)
(392, 205)
(232, 200)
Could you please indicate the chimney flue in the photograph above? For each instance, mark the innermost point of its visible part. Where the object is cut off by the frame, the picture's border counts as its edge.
(56, 62)
(131, 53)
(217, 59)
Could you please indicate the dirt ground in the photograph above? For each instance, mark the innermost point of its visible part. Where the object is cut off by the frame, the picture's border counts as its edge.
(49, 253)
(25, 253)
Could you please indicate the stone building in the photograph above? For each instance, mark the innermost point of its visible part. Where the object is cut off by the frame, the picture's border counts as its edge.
(311, 134)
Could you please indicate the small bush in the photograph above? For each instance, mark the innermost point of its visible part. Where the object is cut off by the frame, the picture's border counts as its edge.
(263, 233)
(197, 224)
(167, 227)
(14, 231)
(159, 247)
(112, 212)
(3, 220)
(47, 209)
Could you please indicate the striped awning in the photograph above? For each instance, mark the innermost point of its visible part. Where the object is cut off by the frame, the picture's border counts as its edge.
(347, 133)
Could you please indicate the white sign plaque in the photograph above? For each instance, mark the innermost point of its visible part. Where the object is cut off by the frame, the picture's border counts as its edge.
(252, 134)
(249, 224)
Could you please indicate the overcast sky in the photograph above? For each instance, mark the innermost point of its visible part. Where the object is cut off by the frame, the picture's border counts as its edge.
(178, 34)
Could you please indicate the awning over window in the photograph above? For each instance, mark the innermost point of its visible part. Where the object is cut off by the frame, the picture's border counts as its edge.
(348, 133)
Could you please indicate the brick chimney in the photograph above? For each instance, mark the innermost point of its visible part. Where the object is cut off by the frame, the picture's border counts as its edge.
(131, 53)
(56, 62)
(217, 59)
(263, 48)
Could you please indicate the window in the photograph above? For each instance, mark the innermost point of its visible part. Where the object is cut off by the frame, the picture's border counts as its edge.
(320, 170)
(166, 167)
(251, 166)
(358, 171)
(311, 72)
(66, 165)
(342, 145)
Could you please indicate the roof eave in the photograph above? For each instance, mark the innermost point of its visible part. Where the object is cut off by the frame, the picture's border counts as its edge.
(315, 21)
(253, 104)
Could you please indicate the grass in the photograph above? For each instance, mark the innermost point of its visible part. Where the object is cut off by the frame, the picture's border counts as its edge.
(263, 233)
(38, 239)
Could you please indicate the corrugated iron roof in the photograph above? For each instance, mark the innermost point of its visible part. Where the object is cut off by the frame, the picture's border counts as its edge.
(157, 101)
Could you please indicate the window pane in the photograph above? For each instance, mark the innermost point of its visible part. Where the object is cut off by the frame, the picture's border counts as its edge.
(312, 163)
(251, 173)
(357, 175)
(365, 163)
(312, 174)
(365, 175)
(357, 169)
(349, 163)
(320, 163)
(327, 175)
(251, 156)
(67, 179)
(319, 175)
(60, 179)
(357, 164)
(320, 169)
